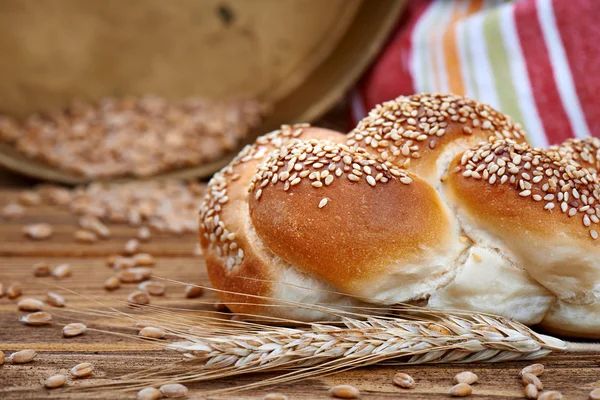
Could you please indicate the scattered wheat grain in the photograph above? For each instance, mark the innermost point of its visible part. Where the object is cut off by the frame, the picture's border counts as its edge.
(173, 390)
(82, 370)
(535, 369)
(30, 305)
(531, 378)
(344, 392)
(275, 396)
(13, 211)
(466, 377)
(460, 390)
(62, 271)
(55, 381)
(112, 283)
(41, 270)
(531, 391)
(152, 333)
(22, 357)
(74, 329)
(37, 318)
(143, 260)
(403, 380)
(39, 231)
(154, 288)
(550, 395)
(149, 393)
(594, 394)
(144, 234)
(55, 299)
(132, 246)
(82, 236)
(14, 290)
(134, 275)
(138, 297)
(193, 291)
(29, 198)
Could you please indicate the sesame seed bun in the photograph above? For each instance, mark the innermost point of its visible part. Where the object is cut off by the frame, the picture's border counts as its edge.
(370, 230)
(423, 132)
(585, 152)
(236, 260)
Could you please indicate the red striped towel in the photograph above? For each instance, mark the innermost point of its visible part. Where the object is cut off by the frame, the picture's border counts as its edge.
(536, 60)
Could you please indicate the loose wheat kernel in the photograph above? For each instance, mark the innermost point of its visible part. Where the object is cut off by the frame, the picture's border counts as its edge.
(112, 283)
(37, 318)
(550, 395)
(531, 391)
(62, 271)
(173, 390)
(149, 393)
(594, 394)
(22, 357)
(74, 329)
(531, 378)
(152, 333)
(466, 377)
(14, 291)
(154, 288)
(55, 381)
(138, 297)
(404, 381)
(55, 299)
(535, 369)
(344, 392)
(192, 291)
(460, 390)
(132, 246)
(30, 305)
(82, 370)
(41, 270)
(39, 231)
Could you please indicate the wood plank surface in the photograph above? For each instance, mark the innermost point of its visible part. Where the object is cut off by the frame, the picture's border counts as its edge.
(575, 375)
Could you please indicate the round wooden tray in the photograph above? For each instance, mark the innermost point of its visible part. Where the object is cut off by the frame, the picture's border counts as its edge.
(298, 55)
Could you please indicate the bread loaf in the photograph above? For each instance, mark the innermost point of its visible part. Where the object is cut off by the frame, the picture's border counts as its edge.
(435, 199)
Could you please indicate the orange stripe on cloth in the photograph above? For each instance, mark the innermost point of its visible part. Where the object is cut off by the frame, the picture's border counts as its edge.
(453, 61)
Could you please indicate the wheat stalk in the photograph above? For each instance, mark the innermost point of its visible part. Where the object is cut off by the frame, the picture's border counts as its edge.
(479, 338)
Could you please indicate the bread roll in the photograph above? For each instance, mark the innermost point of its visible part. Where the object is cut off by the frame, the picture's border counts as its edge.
(472, 218)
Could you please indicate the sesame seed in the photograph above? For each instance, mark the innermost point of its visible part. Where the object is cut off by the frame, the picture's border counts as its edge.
(323, 202)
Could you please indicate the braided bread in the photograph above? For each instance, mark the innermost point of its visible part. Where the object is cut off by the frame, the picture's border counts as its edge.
(434, 199)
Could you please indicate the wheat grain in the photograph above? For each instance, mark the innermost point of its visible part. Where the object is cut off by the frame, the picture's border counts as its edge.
(466, 377)
(404, 381)
(55, 299)
(14, 290)
(344, 392)
(460, 390)
(535, 369)
(74, 329)
(55, 381)
(82, 370)
(594, 394)
(37, 318)
(138, 297)
(550, 395)
(112, 283)
(131, 247)
(152, 332)
(193, 291)
(531, 391)
(41, 269)
(532, 379)
(62, 271)
(149, 393)
(275, 396)
(154, 288)
(30, 305)
(22, 357)
(173, 390)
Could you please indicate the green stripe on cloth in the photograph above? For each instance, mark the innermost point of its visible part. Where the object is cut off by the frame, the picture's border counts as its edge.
(500, 63)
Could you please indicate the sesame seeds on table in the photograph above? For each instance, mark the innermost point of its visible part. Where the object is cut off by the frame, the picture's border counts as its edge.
(543, 177)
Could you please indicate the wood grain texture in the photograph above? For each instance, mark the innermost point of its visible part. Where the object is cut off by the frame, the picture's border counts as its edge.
(572, 374)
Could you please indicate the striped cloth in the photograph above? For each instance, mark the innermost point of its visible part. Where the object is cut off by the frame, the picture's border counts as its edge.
(535, 60)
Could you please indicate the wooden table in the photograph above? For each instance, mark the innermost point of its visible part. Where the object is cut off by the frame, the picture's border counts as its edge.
(573, 375)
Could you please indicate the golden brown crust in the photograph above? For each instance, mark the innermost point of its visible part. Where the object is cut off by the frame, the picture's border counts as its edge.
(542, 209)
(339, 214)
(413, 131)
(233, 264)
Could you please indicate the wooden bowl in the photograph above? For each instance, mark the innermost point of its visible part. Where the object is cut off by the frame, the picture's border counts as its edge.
(300, 56)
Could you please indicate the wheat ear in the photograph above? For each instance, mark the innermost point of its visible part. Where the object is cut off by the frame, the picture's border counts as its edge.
(478, 338)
